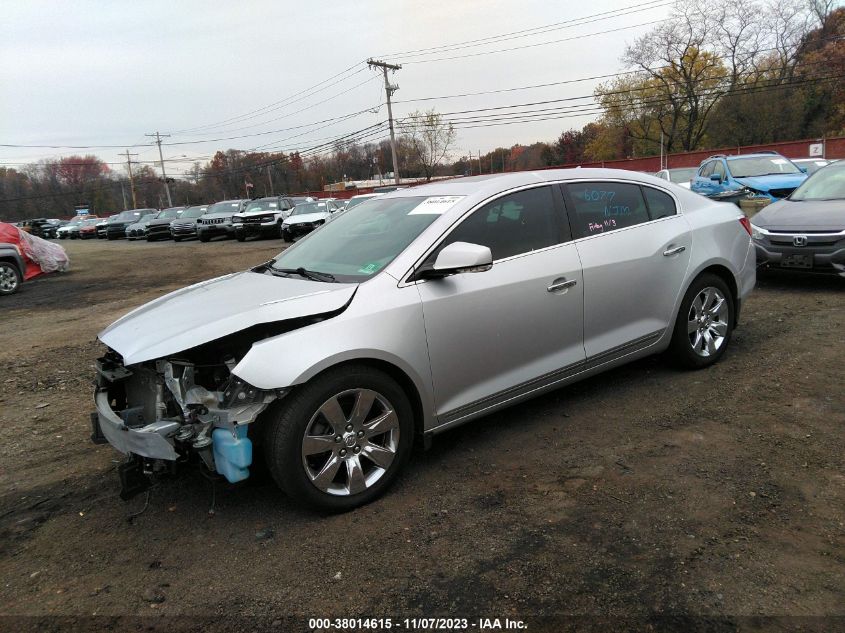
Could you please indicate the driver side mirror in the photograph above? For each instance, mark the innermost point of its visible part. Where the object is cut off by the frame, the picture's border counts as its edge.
(459, 257)
(715, 178)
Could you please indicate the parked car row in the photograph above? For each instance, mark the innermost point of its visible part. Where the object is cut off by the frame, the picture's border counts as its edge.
(287, 217)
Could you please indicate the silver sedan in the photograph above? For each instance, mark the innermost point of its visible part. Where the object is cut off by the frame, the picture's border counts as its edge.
(412, 313)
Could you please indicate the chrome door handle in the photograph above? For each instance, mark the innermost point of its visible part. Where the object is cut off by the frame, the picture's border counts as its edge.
(674, 251)
(563, 284)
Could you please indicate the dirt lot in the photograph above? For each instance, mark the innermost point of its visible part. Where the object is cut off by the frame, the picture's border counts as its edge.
(639, 493)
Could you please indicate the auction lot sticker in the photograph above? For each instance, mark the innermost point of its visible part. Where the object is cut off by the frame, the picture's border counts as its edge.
(436, 205)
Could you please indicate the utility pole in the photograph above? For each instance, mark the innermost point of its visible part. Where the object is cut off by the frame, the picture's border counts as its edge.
(270, 178)
(158, 138)
(389, 89)
(131, 180)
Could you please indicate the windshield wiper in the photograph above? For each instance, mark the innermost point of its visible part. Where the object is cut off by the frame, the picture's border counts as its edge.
(313, 275)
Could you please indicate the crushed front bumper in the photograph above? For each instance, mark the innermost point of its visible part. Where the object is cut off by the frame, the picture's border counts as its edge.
(152, 440)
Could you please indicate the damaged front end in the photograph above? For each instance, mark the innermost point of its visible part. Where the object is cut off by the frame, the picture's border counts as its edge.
(167, 411)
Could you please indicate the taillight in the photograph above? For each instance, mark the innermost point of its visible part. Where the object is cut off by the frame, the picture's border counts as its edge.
(746, 224)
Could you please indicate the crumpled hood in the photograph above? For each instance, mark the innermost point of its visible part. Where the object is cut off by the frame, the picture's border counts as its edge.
(308, 217)
(775, 181)
(211, 309)
(811, 215)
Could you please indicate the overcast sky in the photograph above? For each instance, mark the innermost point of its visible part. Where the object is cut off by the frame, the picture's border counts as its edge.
(106, 73)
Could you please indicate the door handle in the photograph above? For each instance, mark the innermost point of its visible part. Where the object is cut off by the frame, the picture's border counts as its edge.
(674, 251)
(561, 284)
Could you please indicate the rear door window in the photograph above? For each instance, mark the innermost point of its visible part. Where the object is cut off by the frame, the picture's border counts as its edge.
(599, 207)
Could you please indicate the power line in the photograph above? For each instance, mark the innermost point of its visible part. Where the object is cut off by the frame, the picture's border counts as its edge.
(526, 46)
(278, 103)
(539, 30)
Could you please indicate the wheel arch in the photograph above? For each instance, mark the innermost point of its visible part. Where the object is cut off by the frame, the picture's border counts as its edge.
(396, 373)
(724, 273)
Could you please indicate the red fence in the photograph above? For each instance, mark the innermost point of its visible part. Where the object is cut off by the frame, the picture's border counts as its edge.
(833, 148)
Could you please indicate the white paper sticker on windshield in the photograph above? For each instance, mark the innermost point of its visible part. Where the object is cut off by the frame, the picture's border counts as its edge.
(436, 205)
(779, 161)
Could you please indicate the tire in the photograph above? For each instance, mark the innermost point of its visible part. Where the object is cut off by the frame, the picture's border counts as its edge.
(356, 478)
(240, 237)
(204, 238)
(713, 325)
(150, 239)
(111, 238)
(10, 278)
(177, 239)
(287, 237)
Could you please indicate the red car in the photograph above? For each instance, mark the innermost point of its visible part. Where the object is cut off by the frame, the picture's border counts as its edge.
(88, 229)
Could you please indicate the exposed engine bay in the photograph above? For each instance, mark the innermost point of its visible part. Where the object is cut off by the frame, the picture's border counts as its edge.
(176, 409)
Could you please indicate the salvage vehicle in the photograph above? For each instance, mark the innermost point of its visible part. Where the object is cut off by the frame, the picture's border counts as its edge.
(810, 165)
(262, 217)
(681, 176)
(159, 227)
(69, 229)
(376, 330)
(185, 226)
(306, 217)
(24, 256)
(117, 224)
(766, 174)
(217, 221)
(138, 230)
(805, 231)
(88, 229)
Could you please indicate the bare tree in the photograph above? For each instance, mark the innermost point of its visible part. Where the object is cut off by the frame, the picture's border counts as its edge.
(430, 137)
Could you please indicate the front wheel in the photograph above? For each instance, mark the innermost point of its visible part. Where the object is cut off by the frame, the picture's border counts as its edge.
(240, 237)
(340, 441)
(10, 278)
(705, 323)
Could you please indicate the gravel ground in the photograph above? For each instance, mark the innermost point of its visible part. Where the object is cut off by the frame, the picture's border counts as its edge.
(642, 493)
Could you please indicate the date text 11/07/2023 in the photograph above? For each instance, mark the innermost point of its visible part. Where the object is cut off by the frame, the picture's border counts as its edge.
(416, 624)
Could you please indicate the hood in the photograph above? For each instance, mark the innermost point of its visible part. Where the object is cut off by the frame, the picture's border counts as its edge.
(308, 217)
(212, 309)
(773, 181)
(218, 214)
(160, 221)
(811, 215)
(249, 214)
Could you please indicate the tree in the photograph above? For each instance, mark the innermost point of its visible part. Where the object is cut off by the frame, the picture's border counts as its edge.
(429, 137)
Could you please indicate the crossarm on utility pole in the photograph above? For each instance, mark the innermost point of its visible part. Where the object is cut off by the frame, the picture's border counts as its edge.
(389, 90)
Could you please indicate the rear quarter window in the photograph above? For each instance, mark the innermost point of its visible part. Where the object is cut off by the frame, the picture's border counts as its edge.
(660, 203)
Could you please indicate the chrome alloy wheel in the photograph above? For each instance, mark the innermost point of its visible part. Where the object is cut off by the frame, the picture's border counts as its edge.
(707, 322)
(350, 442)
(8, 279)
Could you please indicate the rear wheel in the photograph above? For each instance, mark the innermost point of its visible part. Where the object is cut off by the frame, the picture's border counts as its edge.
(705, 323)
(340, 441)
(10, 278)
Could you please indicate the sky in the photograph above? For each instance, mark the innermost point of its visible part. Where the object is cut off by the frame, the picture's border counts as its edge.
(292, 75)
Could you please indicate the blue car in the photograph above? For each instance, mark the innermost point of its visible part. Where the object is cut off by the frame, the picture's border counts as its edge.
(767, 175)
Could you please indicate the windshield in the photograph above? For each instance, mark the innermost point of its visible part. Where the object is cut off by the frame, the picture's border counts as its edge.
(309, 207)
(169, 214)
(125, 216)
(90, 222)
(263, 205)
(826, 184)
(359, 242)
(682, 175)
(230, 206)
(354, 202)
(193, 212)
(761, 166)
